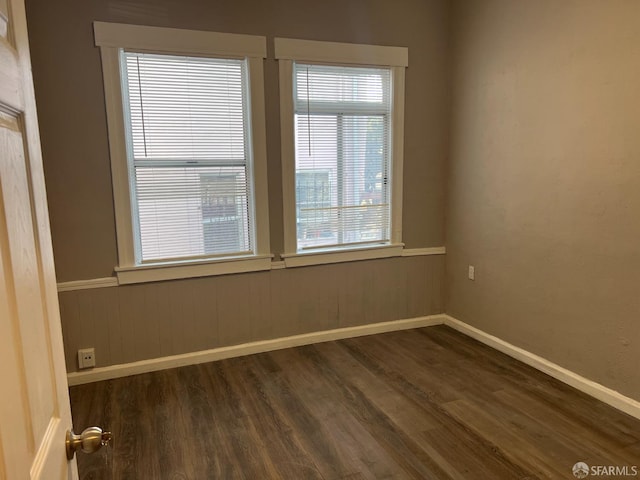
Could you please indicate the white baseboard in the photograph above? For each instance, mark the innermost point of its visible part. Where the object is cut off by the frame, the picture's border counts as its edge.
(596, 390)
(204, 356)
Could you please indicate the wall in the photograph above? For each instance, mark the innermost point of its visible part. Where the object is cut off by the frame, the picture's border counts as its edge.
(543, 194)
(70, 98)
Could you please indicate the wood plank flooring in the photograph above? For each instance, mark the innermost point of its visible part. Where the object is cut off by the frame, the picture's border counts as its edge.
(428, 403)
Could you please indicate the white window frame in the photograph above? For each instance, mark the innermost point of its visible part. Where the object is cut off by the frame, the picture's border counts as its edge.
(112, 38)
(288, 51)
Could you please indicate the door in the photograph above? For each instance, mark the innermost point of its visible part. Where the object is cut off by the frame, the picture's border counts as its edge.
(34, 401)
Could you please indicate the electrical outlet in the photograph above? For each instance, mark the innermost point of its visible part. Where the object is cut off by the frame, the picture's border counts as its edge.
(87, 357)
(472, 272)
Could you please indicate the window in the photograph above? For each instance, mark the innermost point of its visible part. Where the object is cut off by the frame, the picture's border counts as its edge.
(186, 131)
(342, 128)
(186, 120)
(341, 114)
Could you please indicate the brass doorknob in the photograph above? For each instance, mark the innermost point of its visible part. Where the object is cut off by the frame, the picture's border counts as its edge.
(89, 441)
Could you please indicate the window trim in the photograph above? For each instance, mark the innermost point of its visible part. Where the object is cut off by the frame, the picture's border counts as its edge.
(113, 37)
(192, 268)
(338, 255)
(287, 51)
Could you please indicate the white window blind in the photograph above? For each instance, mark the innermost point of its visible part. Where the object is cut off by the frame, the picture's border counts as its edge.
(188, 156)
(342, 149)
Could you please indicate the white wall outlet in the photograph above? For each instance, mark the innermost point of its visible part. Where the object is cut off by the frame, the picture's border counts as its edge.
(472, 272)
(87, 357)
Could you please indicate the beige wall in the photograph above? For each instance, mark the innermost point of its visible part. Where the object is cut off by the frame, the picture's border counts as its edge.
(70, 99)
(130, 323)
(544, 187)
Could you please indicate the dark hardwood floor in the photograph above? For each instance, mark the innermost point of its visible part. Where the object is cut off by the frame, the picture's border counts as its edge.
(428, 403)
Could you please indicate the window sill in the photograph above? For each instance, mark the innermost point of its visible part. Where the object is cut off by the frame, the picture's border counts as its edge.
(340, 255)
(191, 269)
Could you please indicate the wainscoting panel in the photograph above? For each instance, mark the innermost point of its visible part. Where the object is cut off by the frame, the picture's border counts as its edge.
(130, 323)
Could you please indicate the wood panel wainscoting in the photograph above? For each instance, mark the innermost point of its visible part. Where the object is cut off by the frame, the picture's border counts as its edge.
(428, 403)
(131, 323)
